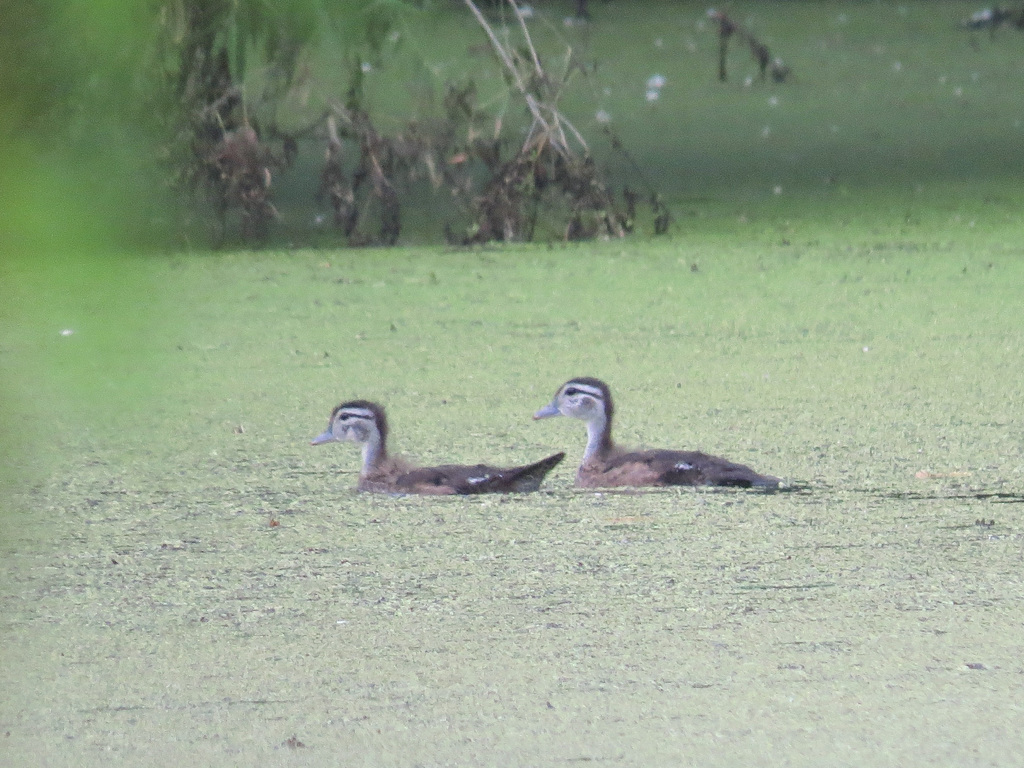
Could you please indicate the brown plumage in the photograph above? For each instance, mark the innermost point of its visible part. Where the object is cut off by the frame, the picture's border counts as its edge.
(364, 422)
(606, 465)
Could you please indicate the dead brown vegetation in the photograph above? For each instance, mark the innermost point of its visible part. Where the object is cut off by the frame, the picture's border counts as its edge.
(500, 188)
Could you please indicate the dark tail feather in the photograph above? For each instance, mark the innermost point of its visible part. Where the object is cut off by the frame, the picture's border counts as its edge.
(744, 477)
(766, 481)
(520, 479)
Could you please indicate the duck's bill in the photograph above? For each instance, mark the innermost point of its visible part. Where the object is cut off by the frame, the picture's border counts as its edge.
(326, 437)
(547, 412)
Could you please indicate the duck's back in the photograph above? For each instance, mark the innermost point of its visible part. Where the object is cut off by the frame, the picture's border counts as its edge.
(665, 467)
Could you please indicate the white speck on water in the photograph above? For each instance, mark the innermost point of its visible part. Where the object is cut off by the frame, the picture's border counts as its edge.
(655, 82)
(766, 132)
(777, 189)
(652, 95)
(866, 349)
(897, 66)
(67, 332)
(658, 42)
(773, 101)
(602, 117)
(367, 67)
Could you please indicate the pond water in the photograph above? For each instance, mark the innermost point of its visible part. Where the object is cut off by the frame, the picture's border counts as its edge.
(197, 580)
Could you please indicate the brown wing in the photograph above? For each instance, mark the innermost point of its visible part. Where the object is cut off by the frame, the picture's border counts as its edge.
(435, 481)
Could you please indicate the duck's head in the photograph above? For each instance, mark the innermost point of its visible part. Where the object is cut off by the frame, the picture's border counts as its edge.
(582, 398)
(357, 421)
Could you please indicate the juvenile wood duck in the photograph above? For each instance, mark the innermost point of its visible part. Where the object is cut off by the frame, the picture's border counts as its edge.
(606, 465)
(364, 422)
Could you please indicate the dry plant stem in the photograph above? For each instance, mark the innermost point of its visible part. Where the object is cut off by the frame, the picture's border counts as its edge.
(499, 49)
(333, 140)
(529, 41)
(547, 130)
(553, 127)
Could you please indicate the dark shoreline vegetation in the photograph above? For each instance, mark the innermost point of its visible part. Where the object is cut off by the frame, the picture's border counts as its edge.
(183, 578)
(412, 126)
(486, 151)
(502, 153)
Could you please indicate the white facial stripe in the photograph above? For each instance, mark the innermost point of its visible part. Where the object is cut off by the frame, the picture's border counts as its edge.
(359, 413)
(586, 389)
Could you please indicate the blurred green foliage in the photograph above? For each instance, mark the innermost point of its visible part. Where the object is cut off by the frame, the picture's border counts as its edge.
(91, 97)
(77, 191)
(91, 105)
(77, 146)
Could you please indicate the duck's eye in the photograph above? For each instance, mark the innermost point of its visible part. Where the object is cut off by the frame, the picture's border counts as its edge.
(571, 391)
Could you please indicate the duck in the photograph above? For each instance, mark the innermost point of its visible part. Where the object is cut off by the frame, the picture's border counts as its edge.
(606, 465)
(365, 423)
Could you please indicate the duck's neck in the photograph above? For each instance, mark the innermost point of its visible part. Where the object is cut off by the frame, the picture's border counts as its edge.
(599, 437)
(374, 454)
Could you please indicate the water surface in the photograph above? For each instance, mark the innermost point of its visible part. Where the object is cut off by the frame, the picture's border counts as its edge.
(211, 585)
